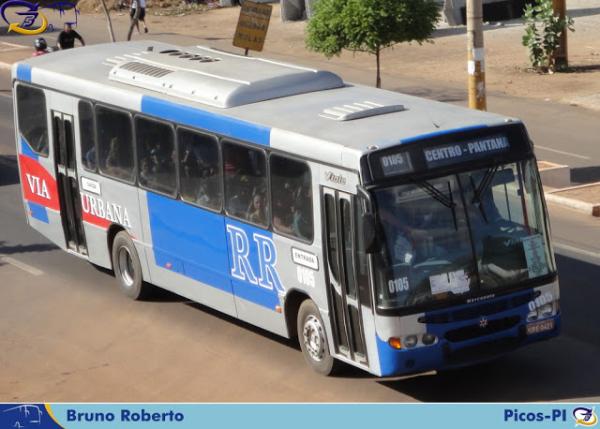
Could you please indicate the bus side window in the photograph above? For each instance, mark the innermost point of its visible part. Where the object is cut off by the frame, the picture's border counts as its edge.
(199, 170)
(86, 136)
(156, 155)
(33, 123)
(115, 145)
(291, 197)
(245, 183)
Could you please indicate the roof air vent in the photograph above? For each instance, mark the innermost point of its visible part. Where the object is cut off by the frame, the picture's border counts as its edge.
(349, 112)
(190, 56)
(145, 69)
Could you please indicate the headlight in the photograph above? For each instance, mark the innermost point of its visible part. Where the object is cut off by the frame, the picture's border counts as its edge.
(410, 341)
(546, 311)
(532, 315)
(428, 339)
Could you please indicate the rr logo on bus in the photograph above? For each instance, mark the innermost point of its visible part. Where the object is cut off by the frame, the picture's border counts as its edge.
(241, 269)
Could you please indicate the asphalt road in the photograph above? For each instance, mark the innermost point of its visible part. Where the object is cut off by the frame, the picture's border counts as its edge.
(67, 334)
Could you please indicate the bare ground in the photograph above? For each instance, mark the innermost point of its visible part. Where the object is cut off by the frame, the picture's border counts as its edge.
(442, 61)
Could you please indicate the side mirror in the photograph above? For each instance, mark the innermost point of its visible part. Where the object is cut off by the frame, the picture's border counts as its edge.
(369, 233)
(368, 224)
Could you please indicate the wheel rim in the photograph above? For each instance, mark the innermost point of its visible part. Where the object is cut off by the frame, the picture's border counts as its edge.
(126, 267)
(314, 338)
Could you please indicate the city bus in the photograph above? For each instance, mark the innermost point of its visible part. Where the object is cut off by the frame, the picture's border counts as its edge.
(389, 232)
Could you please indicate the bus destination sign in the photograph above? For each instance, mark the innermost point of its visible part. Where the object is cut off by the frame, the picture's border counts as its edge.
(470, 150)
(395, 164)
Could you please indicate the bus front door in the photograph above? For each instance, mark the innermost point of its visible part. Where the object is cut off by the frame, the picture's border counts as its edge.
(343, 291)
(67, 182)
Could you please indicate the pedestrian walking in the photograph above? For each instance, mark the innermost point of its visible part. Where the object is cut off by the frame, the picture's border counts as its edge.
(66, 38)
(142, 15)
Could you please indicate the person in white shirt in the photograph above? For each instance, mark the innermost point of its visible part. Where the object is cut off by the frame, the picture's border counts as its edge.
(142, 16)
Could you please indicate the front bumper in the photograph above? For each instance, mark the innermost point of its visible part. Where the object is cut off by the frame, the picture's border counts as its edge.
(447, 354)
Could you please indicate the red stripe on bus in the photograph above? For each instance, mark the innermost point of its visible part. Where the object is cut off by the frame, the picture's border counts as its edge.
(38, 185)
(95, 220)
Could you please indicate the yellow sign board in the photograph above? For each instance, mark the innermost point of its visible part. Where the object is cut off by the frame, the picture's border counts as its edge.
(252, 26)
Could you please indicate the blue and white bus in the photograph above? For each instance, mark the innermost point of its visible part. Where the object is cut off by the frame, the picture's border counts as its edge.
(393, 233)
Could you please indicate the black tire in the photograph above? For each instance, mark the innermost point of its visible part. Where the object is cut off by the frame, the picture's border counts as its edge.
(313, 340)
(127, 267)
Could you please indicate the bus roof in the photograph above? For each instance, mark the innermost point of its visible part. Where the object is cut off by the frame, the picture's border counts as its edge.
(334, 120)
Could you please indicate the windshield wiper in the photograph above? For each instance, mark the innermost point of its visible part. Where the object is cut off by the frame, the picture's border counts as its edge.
(480, 190)
(484, 184)
(439, 196)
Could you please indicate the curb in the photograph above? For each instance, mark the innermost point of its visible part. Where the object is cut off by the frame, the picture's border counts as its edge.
(581, 206)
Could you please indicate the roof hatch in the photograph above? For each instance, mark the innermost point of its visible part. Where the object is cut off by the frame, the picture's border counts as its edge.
(216, 78)
(364, 109)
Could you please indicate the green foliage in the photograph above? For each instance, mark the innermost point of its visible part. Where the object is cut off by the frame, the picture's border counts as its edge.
(543, 30)
(369, 25)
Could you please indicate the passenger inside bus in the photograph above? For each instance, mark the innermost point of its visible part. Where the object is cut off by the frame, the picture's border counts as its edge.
(246, 184)
(257, 212)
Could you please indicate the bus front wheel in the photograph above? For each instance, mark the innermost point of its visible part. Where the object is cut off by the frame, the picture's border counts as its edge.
(313, 339)
(127, 267)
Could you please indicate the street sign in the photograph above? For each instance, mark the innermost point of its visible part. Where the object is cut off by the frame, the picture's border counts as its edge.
(252, 26)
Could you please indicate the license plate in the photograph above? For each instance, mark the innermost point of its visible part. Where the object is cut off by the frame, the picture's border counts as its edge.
(542, 326)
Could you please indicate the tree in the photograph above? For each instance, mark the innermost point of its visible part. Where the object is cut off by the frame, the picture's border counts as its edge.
(542, 34)
(111, 33)
(369, 25)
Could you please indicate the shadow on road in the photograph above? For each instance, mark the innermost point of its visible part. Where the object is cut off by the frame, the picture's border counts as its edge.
(559, 369)
(29, 248)
(244, 325)
(581, 175)
(578, 13)
(438, 94)
(9, 171)
(579, 299)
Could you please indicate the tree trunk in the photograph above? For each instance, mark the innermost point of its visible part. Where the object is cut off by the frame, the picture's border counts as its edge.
(377, 56)
(111, 33)
(134, 22)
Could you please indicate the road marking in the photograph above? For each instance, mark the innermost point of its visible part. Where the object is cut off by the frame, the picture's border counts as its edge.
(21, 265)
(549, 149)
(6, 47)
(577, 250)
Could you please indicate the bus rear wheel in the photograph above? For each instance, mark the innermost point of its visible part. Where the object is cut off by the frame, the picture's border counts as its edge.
(313, 339)
(127, 267)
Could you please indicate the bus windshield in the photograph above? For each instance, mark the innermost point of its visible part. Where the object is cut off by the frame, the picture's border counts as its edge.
(470, 233)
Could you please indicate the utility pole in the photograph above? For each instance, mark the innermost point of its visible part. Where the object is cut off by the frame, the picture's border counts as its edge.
(476, 61)
(561, 60)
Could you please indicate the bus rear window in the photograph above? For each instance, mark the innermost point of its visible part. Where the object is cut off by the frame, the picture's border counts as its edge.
(291, 195)
(156, 155)
(245, 183)
(31, 111)
(115, 143)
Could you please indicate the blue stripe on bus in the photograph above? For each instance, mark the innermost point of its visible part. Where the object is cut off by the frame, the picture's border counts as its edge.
(193, 242)
(27, 150)
(24, 72)
(189, 241)
(194, 117)
(443, 132)
(38, 212)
